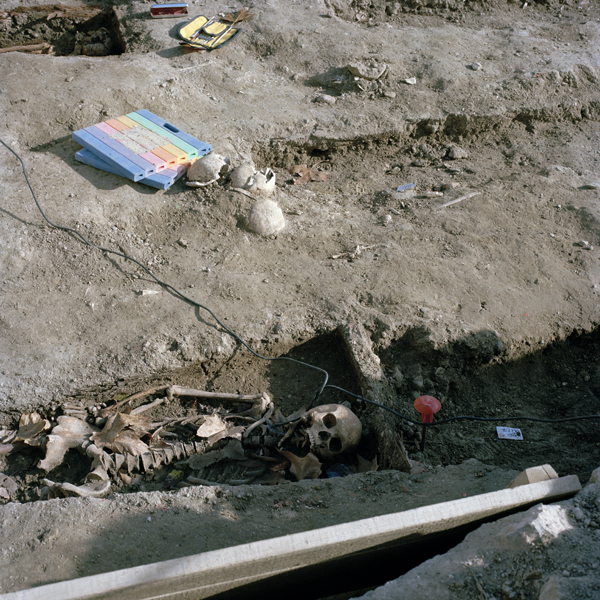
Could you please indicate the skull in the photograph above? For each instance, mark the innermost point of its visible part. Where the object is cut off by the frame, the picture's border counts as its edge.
(207, 170)
(332, 429)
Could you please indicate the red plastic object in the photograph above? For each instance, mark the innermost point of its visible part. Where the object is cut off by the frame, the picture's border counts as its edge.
(427, 406)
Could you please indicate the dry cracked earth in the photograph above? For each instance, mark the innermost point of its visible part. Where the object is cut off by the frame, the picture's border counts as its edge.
(479, 285)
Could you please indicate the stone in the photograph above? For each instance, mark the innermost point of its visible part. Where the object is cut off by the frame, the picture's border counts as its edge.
(325, 99)
(456, 153)
(266, 218)
(370, 73)
(542, 523)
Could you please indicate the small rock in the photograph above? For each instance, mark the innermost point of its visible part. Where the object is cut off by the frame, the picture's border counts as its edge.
(410, 80)
(578, 513)
(183, 243)
(456, 153)
(386, 220)
(325, 99)
(405, 195)
(583, 244)
(69, 79)
(266, 218)
(591, 186)
(389, 94)
(446, 186)
(595, 478)
(370, 73)
(475, 66)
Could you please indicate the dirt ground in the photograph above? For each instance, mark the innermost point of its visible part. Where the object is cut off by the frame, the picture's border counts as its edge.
(489, 303)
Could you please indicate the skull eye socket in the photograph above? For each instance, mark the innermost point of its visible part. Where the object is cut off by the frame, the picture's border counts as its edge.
(335, 445)
(329, 421)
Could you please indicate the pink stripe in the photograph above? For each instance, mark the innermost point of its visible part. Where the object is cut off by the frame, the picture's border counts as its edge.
(107, 129)
(173, 171)
(152, 158)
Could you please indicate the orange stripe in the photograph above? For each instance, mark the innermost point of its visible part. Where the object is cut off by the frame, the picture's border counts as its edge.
(166, 156)
(175, 151)
(116, 124)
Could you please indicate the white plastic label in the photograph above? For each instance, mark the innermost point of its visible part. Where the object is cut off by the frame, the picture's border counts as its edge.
(509, 433)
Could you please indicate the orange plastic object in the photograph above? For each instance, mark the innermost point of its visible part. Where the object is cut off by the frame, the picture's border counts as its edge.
(427, 406)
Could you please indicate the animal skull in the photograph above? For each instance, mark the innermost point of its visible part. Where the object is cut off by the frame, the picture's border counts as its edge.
(332, 429)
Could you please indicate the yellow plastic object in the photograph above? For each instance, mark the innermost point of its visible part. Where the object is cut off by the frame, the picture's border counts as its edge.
(208, 34)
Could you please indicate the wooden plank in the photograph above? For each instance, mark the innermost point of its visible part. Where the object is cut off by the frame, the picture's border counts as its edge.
(211, 573)
(191, 152)
(533, 475)
(110, 156)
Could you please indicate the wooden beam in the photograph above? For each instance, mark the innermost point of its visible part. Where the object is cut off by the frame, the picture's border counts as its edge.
(231, 569)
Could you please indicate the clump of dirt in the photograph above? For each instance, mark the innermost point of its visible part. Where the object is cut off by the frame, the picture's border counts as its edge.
(89, 30)
(471, 378)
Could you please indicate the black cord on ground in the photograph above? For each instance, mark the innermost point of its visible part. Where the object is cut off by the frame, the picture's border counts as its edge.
(461, 418)
(165, 285)
(324, 386)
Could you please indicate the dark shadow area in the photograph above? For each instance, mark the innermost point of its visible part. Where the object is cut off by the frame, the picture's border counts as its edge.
(369, 568)
(66, 30)
(65, 148)
(335, 81)
(470, 377)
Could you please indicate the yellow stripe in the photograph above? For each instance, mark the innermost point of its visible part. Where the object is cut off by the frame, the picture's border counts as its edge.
(127, 121)
(176, 152)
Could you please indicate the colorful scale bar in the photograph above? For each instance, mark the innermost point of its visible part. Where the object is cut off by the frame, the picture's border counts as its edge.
(141, 147)
(162, 181)
(192, 153)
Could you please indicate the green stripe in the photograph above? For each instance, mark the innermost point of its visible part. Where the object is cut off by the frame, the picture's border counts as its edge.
(189, 150)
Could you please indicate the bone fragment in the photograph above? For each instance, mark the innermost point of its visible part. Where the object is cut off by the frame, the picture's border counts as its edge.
(177, 390)
(25, 48)
(145, 407)
(105, 412)
(458, 200)
(260, 422)
(96, 489)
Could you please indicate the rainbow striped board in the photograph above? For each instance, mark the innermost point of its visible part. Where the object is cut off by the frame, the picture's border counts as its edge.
(141, 147)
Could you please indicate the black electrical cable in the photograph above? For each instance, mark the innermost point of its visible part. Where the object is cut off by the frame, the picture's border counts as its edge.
(165, 285)
(324, 386)
(461, 418)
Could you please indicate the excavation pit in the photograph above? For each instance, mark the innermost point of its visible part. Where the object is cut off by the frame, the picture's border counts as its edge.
(62, 30)
(173, 408)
